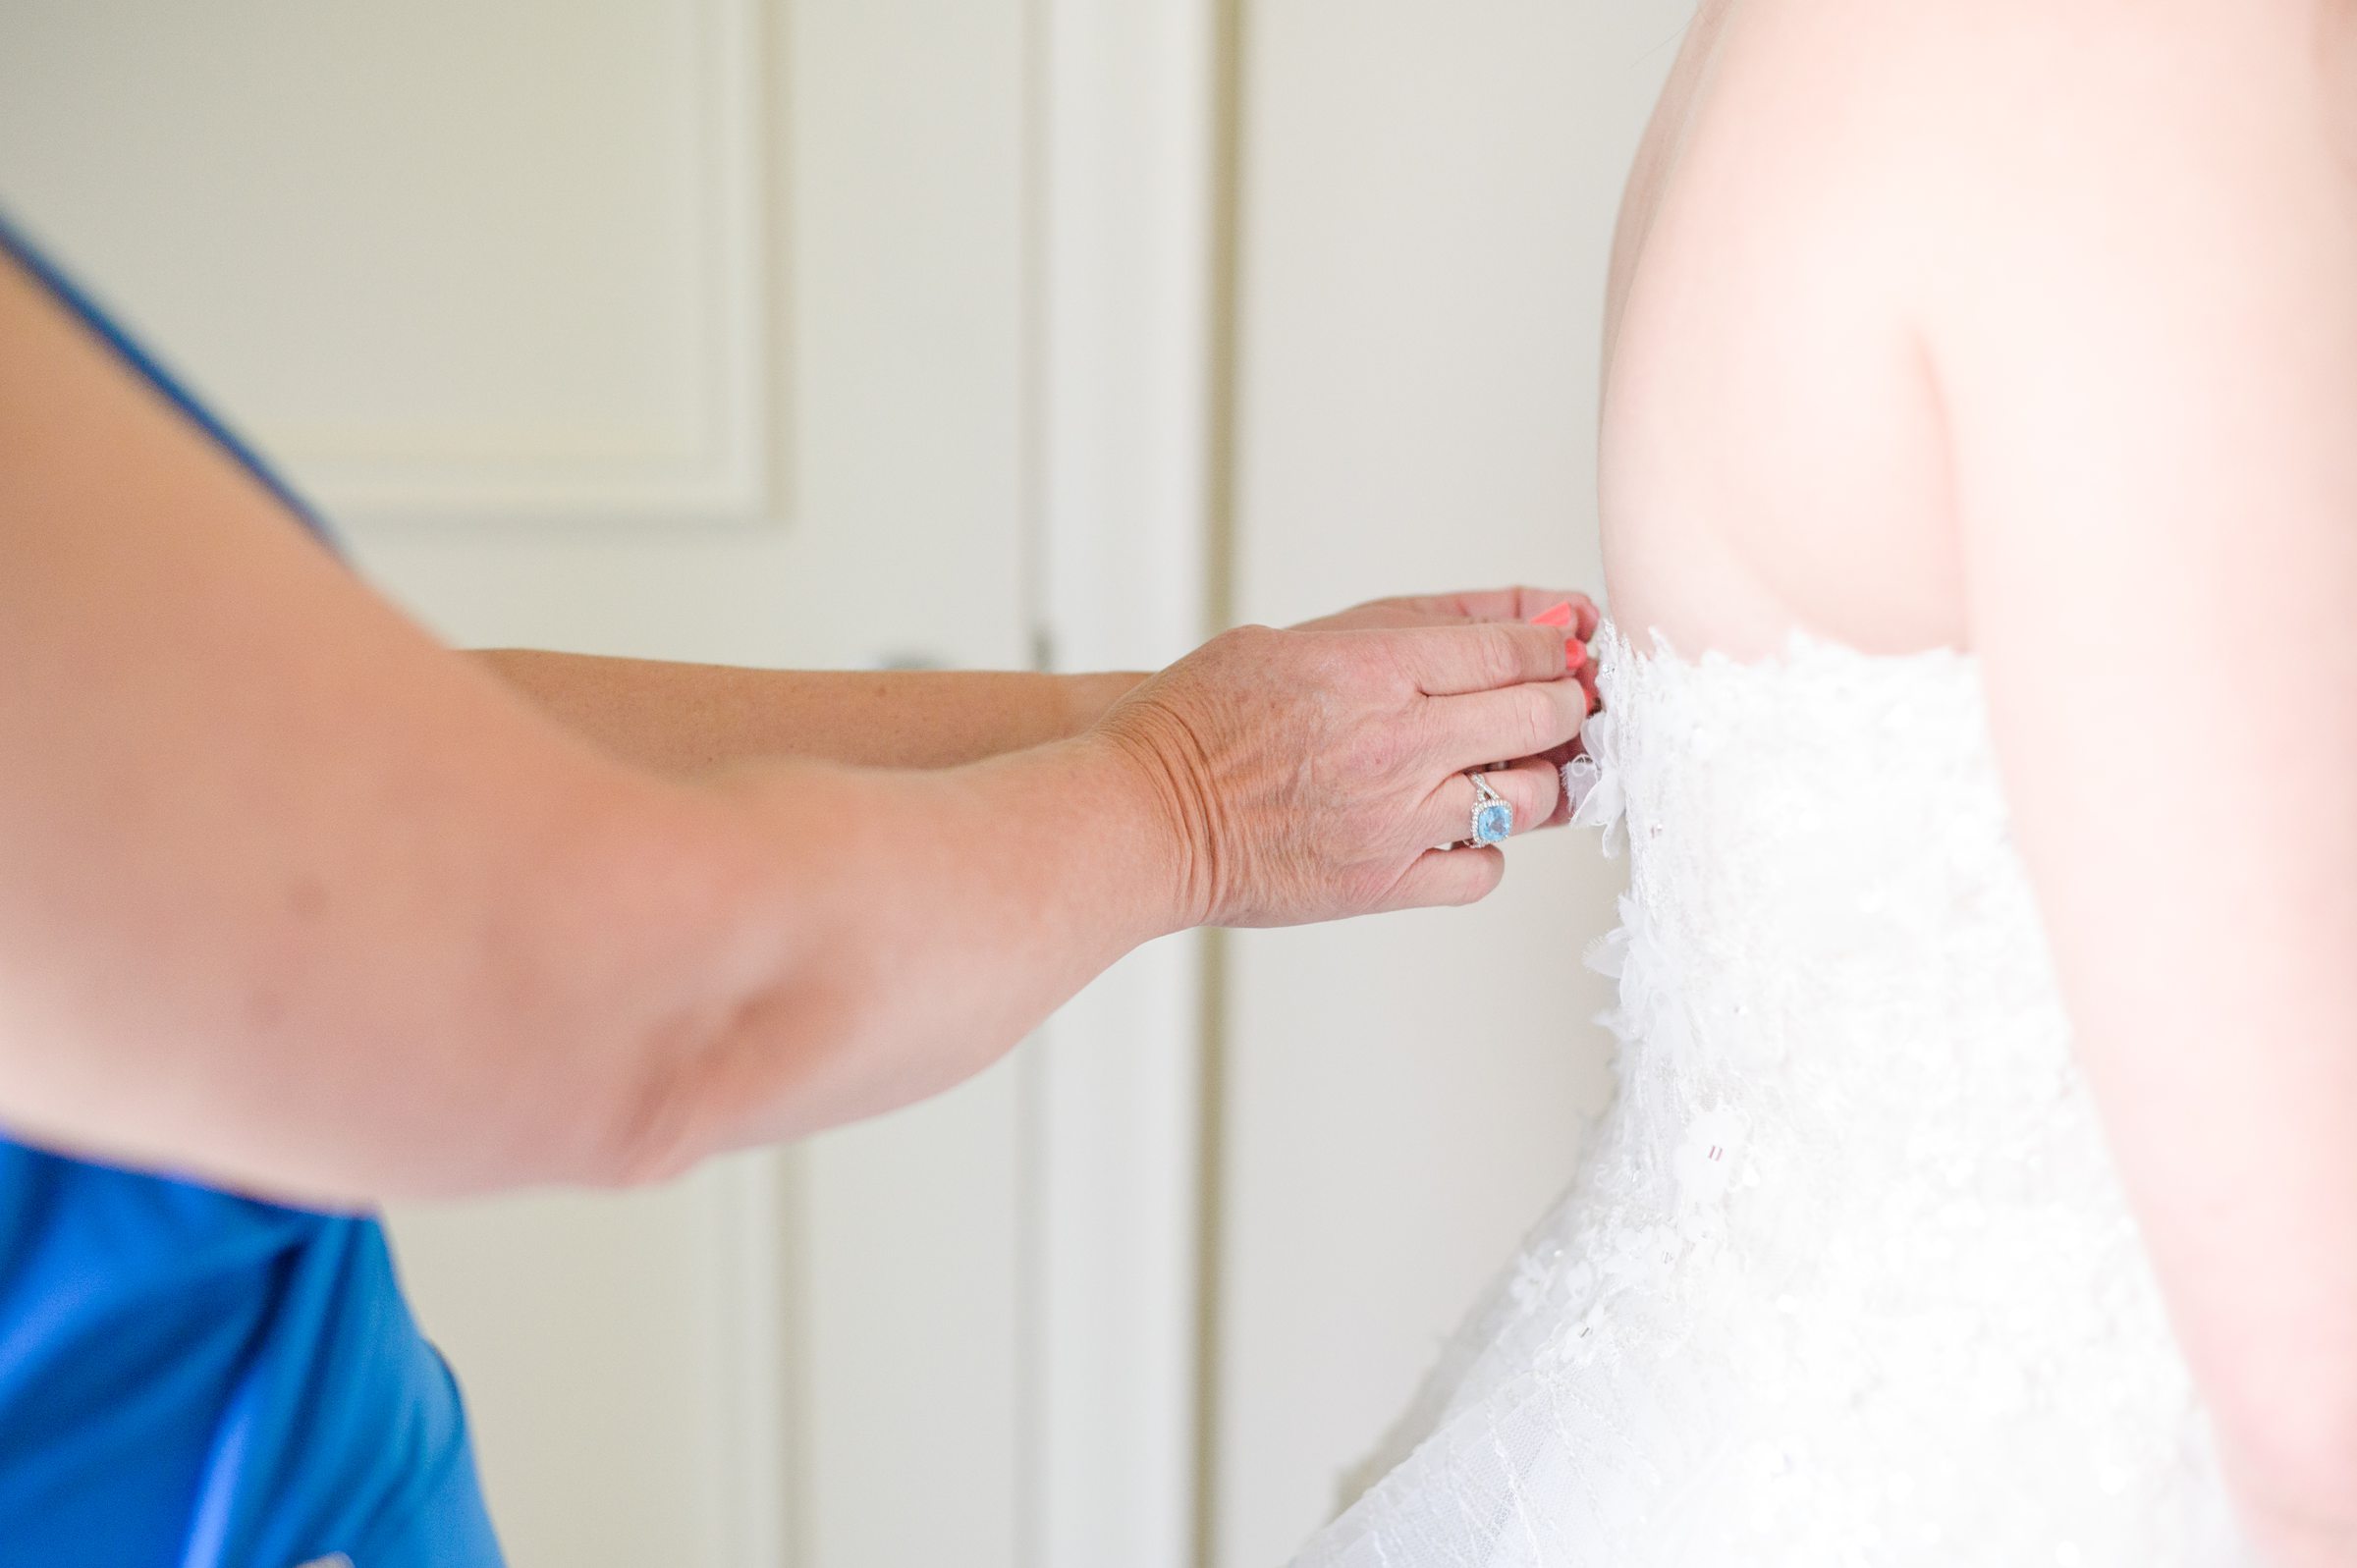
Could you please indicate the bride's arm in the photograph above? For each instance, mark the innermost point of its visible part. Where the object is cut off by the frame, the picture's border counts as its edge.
(2148, 344)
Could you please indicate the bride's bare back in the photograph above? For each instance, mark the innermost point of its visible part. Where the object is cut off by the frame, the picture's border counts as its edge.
(2029, 327)
(1773, 451)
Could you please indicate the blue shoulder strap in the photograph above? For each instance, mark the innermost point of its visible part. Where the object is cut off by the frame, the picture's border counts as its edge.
(167, 386)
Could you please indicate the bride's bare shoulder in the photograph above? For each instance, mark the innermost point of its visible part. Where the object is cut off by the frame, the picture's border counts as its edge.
(1849, 214)
(1883, 131)
(2113, 99)
(2144, 195)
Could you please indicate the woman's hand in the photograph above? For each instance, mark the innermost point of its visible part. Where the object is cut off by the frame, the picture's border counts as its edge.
(1308, 774)
(1516, 604)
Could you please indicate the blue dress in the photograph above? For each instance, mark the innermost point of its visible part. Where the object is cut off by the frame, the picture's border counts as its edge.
(193, 1378)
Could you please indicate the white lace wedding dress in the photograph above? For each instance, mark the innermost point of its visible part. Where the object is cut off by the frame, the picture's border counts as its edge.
(1846, 1277)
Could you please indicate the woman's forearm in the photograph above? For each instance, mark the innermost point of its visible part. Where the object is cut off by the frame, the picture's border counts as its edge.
(694, 718)
(887, 934)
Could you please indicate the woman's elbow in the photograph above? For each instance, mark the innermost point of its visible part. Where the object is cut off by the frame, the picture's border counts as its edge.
(658, 1120)
(735, 992)
(668, 940)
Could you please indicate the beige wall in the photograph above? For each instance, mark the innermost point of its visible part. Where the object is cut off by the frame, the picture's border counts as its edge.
(1427, 197)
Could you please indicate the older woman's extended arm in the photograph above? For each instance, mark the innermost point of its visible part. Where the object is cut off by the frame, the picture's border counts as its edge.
(293, 898)
(689, 718)
(2148, 340)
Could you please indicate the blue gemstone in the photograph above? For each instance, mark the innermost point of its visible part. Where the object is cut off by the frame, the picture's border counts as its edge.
(1493, 823)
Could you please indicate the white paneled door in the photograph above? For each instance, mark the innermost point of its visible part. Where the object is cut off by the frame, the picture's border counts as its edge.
(808, 333)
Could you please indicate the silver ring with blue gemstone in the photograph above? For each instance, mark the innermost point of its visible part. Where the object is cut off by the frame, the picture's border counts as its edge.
(1493, 816)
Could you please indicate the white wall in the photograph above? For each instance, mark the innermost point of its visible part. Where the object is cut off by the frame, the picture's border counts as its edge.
(1427, 195)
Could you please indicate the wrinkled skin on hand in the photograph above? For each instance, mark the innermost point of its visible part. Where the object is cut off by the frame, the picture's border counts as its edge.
(1309, 774)
(1518, 604)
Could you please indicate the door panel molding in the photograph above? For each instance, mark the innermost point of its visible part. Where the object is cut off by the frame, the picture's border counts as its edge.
(452, 261)
(721, 470)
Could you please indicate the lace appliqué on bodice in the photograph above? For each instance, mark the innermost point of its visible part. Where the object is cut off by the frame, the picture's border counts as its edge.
(1847, 1276)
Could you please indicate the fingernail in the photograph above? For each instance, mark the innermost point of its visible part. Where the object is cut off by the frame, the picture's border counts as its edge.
(1558, 615)
(1575, 654)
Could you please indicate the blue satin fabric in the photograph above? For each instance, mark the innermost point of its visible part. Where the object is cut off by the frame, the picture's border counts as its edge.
(193, 1378)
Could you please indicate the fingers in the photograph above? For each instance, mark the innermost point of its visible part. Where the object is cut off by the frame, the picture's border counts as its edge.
(1583, 670)
(1571, 612)
(1524, 721)
(1576, 613)
(1447, 876)
(1559, 759)
(1480, 656)
(1510, 604)
(1532, 787)
(1586, 619)
(1470, 872)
